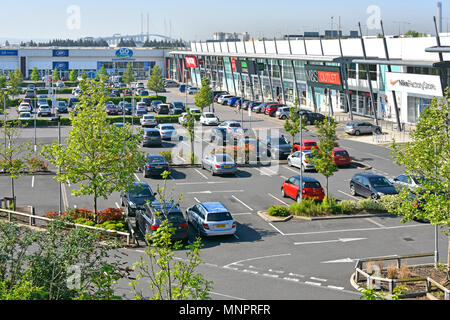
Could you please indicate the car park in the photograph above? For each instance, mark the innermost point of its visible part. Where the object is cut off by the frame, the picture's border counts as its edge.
(170, 84)
(371, 186)
(231, 101)
(44, 110)
(261, 107)
(127, 108)
(193, 90)
(220, 136)
(361, 127)
(152, 137)
(111, 109)
(311, 189)
(301, 160)
(29, 101)
(148, 120)
(217, 94)
(155, 104)
(41, 101)
(140, 85)
(167, 131)
(182, 88)
(149, 220)
(194, 111)
(147, 101)
(219, 164)
(176, 111)
(30, 94)
(140, 113)
(156, 164)
(305, 144)
(312, 117)
(143, 93)
(340, 157)
(71, 102)
(135, 197)
(209, 119)
(278, 147)
(182, 118)
(211, 219)
(141, 106)
(271, 109)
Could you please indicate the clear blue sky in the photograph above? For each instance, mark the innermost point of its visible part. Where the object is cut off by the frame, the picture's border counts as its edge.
(199, 19)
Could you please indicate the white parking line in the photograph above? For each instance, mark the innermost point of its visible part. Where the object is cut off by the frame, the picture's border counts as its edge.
(117, 205)
(278, 199)
(349, 195)
(196, 170)
(313, 283)
(295, 171)
(242, 203)
(277, 229)
(32, 182)
(137, 177)
(375, 223)
(198, 201)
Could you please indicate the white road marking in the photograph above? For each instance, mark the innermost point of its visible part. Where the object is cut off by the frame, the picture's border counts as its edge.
(199, 192)
(227, 296)
(296, 275)
(344, 240)
(249, 208)
(336, 288)
(208, 182)
(291, 279)
(293, 170)
(349, 195)
(318, 279)
(283, 234)
(278, 199)
(258, 258)
(32, 182)
(196, 200)
(270, 275)
(276, 271)
(117, 205)
(250, 271)
(234, 235)
(201, 174)
(137, 177)
(313, 283)
(374, 155)
(375, 223)
(241, 214)
(345, 260)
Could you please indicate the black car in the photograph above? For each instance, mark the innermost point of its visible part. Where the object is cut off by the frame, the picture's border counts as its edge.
(155, 166)
(278, 147)
(150, 218)
(313, 117)
(176, 111)
(371, 186)
(163, 108)
(72, 102)
(127, 108)
(147, 101)
(61, 107)
(136, 196)
(154, 105)
(178, 105)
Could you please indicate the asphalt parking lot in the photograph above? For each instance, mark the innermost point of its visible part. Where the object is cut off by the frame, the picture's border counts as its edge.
(291, 260)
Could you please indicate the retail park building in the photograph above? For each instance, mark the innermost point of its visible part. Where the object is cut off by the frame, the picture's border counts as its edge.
(327, 74)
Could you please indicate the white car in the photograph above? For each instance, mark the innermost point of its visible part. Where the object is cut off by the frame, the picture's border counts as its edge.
(209, 119)
(141, 106)
(195, 111)
(167, 131)
(44, 109)
(222, 97)
(193, 90)
(148, 120)
(182, 118)
(230, 126)
(24, 107)
(301, 160)
(24, 116)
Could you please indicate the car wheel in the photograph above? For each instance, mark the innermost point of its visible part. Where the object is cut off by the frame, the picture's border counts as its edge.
(352, 190)
(283, 194)
(378, 131)
(283, 117)
(357, 133)
(374, 197)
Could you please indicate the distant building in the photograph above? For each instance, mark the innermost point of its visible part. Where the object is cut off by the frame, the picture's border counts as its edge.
(310, 34)
(354, 34)
(245, 36)
(332, 33)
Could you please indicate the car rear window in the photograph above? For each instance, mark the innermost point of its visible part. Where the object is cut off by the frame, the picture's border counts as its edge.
(341, 153)
(152, 133)
(219, 216)
(155, 159)
(311, 184)
(235, 125)
(223, 158)
(176, 218)
(167, 127)
(310, 144)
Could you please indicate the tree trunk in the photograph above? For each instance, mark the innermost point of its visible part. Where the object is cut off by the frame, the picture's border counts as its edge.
(13, 194)
(95, 206)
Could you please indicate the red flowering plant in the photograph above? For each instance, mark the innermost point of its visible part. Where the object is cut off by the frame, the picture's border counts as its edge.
(111, 214)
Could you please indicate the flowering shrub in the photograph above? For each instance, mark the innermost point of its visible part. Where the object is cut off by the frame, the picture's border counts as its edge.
(110, 214)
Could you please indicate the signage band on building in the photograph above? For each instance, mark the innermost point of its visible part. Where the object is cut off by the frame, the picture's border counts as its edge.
(191, 62)
(124, 53)
(414, 83)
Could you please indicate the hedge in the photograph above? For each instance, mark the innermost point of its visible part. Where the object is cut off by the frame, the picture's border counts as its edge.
(41, 84)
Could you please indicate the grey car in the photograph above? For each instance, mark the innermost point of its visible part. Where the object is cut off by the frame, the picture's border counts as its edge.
(211, 219)
(361, 127)
(278, 147)
(152, 137)
(407, 181)
(283, 113)
(219, 164)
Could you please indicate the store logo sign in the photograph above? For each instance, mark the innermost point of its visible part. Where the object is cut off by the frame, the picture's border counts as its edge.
(414, 83)
(124, 53)
(324, 77)
(191, 62)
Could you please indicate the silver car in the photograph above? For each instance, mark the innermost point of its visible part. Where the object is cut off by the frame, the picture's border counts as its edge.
(219, 164)
(361, 127)
(407, 181)
(211, 219)
(148, 120)
(283, 113)
(167, 131)
(301, 160)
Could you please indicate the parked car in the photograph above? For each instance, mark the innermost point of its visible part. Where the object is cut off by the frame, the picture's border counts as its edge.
(147, 101)
(61, 107)
(340, 157)
(312, 117)
(182, 118)
(223, 98)
(231, 101)
(262, 107)
(170, 84)
(30, 94)
(301, 160)
(24, 107)
(140, 85)
(283, 113)
(178, 104)
(29, 101)
(305, 144)
(148, 120)
(127, 108)
(361, 127)
(167, 131)
(44, 110)
(156, 164)
(271, 109)
(407, 181)
(217, 94)
(230, 125)
(150, 218)
(193, 90)
(41, 101)
(311, 189)
(182, 88)
(154, 105)
(209, 119)
(135, 197)
(278, 147)
(253, 104)
(211, 219)
(72, 102)
(140, 113)
(152, 137)
(176, 111)
(219, 164)
(24, 116)
(111, 109)
(194, 110)
(371, 186)
(220, 136)
(143, 93)
(141, 106)
(163, 108)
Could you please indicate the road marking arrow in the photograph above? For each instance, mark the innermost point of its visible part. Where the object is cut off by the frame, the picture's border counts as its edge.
(346, 260)
(344, 240)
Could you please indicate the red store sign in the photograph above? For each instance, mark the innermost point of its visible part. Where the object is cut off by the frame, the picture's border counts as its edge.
(191, 62)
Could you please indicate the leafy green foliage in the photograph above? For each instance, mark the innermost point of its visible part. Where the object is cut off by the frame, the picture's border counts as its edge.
(278, 211)
(73, 75)
(128, 76)
(156, 81)
(34, 74)
(204, 97)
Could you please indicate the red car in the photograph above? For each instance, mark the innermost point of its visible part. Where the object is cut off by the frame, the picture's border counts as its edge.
(312, 190)
(127, 92)
(306, 144)
(271, 109)
(340, 157)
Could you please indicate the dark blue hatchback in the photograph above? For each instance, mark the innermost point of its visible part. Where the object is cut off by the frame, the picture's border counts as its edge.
(155, 166)
(371, 186)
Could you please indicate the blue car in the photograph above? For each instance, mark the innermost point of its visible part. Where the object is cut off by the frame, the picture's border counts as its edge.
(182, 88)
(155, 166)
(232, 101)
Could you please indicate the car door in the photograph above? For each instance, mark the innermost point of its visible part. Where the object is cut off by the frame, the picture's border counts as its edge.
(296, 159)
(293, 186)
(365, 190)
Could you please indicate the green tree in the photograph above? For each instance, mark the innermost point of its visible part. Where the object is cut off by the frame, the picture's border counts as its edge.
(3, 81)
(34, 74)
(128, 76)
(98, 156)
(189, 125)
(413, 34)
(55, 75)
(73, 75)
(102, 75)
(170, 278)
(292, 123)
(322, 160)
(83, 75)
(14, 153)
(156, 81)
(204, 97)
(427, 155)
(15, 80)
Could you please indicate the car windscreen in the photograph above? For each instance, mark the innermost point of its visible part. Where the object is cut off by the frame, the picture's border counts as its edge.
(156, 159)
(209, 115)
(235, 125)
(311, 184)
(138, 191)
(379, 182)
(219, 216)
(167, 128)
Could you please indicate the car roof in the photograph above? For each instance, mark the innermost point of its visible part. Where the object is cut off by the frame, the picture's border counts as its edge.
(339, 149)
(308, 140)
(306, 179)
(368, 175)
(214, 207)
(150, 129)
